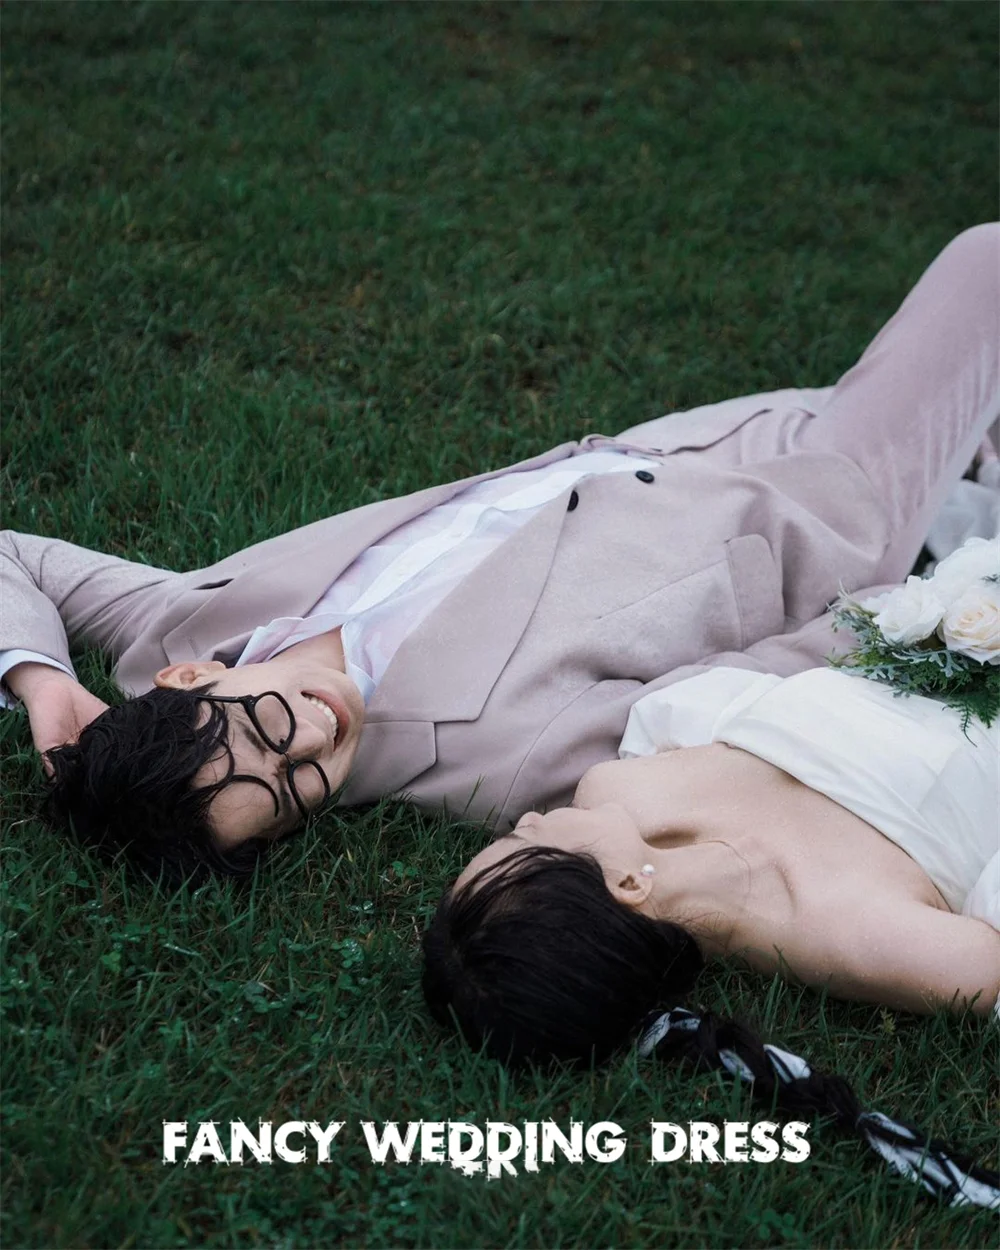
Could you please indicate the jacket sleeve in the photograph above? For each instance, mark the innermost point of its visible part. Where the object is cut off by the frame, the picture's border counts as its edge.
(54, 594)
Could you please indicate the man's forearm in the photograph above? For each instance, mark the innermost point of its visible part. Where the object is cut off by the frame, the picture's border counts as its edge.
(54, 594)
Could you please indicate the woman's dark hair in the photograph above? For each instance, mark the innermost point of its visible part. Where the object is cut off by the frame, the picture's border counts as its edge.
(535, 959)
(126, 786)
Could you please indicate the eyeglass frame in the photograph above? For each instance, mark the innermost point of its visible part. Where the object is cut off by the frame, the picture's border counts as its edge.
(249, 704)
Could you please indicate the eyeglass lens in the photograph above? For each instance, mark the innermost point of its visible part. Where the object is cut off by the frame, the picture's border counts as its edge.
(273, 720)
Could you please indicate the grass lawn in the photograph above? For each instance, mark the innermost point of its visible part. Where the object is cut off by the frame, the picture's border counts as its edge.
(266, 262)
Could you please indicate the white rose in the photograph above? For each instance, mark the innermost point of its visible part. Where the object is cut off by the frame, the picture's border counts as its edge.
(975, 559)
(874, 604)
(910, 613)
(972, 623)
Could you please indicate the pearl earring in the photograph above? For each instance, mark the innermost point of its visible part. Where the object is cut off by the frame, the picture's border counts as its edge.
(647, 870)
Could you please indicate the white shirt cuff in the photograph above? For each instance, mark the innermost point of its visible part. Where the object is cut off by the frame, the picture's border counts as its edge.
(18, 656)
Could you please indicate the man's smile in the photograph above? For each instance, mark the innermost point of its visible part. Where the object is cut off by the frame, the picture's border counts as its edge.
(332, 710)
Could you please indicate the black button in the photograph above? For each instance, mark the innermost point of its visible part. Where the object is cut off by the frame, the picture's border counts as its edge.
(644, 475)
(574, 499)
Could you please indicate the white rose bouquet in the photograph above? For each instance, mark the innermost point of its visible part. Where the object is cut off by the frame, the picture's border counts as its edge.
(937, 636)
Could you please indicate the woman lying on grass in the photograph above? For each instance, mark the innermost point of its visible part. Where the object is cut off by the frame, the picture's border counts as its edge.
(818, 826)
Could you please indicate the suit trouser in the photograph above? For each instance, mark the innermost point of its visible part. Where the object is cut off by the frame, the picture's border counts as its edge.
(913, 410)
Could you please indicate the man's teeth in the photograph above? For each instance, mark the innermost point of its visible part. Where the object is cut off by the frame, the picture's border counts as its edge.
(327, 712)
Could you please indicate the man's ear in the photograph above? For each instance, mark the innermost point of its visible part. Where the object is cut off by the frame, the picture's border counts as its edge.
(184, 676)
(630, 888)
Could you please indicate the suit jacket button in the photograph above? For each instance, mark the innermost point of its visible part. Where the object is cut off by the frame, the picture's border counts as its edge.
(574, 499)
(644, 475)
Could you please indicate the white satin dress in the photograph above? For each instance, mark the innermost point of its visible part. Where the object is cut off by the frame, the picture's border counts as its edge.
(902, 764)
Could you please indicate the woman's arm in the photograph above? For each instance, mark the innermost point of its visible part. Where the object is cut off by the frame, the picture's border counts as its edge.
(901, 954)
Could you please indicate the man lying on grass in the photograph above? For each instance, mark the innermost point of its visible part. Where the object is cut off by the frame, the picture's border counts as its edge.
(478, 645)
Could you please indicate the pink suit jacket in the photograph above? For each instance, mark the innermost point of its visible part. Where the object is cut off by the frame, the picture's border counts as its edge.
(760, 509)
(524, 675)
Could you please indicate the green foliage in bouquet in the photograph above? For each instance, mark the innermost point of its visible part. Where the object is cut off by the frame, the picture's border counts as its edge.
(928, 668)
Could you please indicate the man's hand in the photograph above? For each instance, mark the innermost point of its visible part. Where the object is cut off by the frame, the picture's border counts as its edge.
(59, 708)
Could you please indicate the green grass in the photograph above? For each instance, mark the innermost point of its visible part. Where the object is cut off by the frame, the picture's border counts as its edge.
(267, 262)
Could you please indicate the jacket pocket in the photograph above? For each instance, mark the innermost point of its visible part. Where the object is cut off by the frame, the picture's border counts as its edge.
(726, 604)
(757, 589)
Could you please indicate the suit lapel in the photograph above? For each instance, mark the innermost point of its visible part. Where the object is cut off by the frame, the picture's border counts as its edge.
(446, 669)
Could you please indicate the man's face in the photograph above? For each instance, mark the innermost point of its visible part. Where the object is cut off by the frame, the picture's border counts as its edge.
(328, 711)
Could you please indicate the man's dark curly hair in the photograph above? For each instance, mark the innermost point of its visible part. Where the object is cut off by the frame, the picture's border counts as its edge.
(126, 786)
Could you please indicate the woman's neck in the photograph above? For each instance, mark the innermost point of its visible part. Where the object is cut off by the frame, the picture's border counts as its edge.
(707, 887)
(695, 810)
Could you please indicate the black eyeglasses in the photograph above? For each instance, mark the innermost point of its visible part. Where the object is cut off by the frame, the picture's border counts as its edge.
(274, 721)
